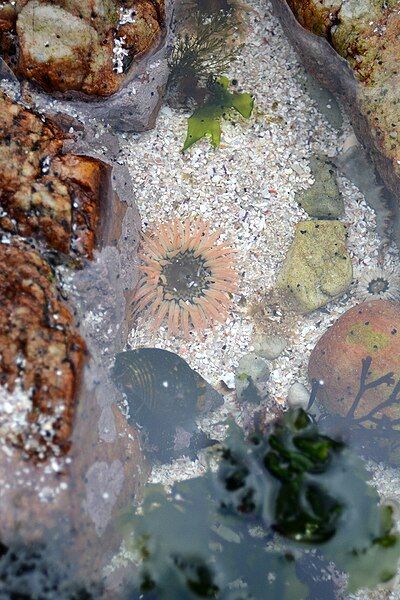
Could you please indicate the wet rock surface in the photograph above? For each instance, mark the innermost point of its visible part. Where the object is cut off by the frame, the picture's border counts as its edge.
(369, 330)
(137, 74)
(74, 46)
(64, 414)
(42, 354)
(43, 193)
(317, 267)
(352, 48)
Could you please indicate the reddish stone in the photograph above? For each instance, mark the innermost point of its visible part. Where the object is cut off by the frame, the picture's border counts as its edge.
(371, 329)
(40, 349)
(43, 193)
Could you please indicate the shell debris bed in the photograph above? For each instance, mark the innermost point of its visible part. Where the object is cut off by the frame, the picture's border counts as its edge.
(247, 187)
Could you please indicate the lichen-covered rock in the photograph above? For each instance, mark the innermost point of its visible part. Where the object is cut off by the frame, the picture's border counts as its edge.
(371, 329)
(317, 267)
(367, 34)
(323, 199)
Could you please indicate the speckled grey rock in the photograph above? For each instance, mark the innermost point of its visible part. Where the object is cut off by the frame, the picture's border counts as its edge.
(298, 396)
(269, 346)
(323, 199)
(251, 376)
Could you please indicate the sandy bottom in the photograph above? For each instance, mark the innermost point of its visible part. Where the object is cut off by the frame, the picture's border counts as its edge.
(247, 187)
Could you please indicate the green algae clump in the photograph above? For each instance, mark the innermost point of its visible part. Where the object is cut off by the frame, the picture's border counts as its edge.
(304, 493)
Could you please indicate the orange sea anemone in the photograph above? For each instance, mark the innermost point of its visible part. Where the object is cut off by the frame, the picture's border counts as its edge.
(188, 278)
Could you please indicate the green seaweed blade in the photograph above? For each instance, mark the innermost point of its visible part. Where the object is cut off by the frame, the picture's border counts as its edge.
(206, 119)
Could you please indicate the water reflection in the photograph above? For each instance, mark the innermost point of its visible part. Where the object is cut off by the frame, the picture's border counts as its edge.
(269, 523)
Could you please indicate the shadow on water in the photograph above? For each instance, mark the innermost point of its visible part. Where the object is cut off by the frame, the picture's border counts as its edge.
(372, 429)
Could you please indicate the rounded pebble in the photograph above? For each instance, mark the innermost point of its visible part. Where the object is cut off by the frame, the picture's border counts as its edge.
(298, 396)
(269, 346)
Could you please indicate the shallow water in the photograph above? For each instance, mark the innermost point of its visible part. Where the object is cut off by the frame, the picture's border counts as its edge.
(247, 187)
(183, 393)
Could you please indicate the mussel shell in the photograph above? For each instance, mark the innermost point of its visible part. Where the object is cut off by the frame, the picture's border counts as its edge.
(165, 396)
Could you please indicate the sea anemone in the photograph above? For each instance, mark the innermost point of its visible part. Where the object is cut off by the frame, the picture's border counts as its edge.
(379, 284)
(187, 277)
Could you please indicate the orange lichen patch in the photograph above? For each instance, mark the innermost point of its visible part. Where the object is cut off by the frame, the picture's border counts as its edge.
(188, 277)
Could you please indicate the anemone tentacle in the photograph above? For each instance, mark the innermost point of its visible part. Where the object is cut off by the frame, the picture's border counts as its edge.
(188, 278)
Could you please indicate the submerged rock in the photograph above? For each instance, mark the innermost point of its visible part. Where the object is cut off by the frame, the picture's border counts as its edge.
(371, 329)
(61, 51)
(323, 199)
(85, 47)
(41, 355)
(366, 35)
(251, 376)
(317, 267)
(269, 346)
(46, 193)
(298, 396)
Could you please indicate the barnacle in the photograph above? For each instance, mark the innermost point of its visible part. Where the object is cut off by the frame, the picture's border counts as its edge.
(187, 277)
(379, 284)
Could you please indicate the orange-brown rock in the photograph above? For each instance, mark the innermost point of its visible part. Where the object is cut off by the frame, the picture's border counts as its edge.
(69, 45)
(8, 16)
(41, 353)
(371, 329)
(140, 35)
(45, 194)
(316, 16)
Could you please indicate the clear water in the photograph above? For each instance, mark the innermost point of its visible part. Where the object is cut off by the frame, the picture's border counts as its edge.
(200, 494)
